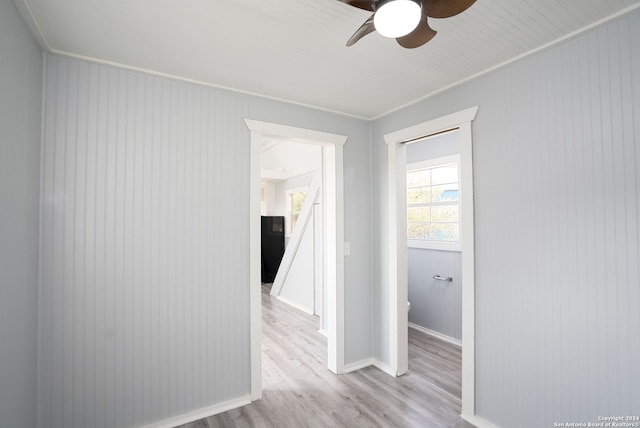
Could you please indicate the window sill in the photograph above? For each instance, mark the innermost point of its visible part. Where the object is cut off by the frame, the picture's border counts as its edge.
(431, 245)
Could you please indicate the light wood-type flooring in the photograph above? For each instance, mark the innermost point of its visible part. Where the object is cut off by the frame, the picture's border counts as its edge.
(299, 391)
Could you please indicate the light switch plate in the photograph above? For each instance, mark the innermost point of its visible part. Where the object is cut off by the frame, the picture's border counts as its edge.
(347, 248)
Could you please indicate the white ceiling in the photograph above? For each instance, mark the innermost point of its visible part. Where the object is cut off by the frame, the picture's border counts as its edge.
(295, 50)
(282, 159)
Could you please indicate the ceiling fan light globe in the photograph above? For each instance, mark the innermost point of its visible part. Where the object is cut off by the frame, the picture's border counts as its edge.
(397, 18)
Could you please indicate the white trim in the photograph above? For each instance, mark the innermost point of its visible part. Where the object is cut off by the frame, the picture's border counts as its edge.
(397, 206)
(437, 335)
(434, 245)
(398, 256)
(368, 362)
(296, 305)
(385, 367)
(467, 236)
(33, 24)
(333, 164)
(201, 413)
(358, 365)
(477, 421)
(255, 275)
(333, 177)
(291, 133)
(72, 55)
(450, 121)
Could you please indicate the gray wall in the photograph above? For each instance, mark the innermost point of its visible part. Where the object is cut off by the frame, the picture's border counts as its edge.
(20, 106)
(435, 147)
(557, 197)
(435, 305)
(145, 294)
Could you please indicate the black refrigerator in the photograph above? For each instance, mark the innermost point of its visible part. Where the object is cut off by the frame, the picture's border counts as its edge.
(272, 246)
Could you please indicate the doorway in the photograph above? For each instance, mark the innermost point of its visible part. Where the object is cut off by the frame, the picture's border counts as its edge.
(397, 229)
(332, 173)
(292, 197)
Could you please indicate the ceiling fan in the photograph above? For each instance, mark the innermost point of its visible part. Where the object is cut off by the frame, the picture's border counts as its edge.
(405, 20)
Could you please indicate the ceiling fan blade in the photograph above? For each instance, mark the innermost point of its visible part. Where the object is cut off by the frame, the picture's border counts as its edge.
(445, 8)
(418, 37)
(364, 29)
(360, 4)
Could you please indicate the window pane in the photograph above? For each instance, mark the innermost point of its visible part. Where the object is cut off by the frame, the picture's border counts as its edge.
(417, 231)
(445, 192)
(418, 215)
(445, 174)
(433, 210)
(445, 213)
(297, 199)
(445, 231)
(419, 195)
(418, 178)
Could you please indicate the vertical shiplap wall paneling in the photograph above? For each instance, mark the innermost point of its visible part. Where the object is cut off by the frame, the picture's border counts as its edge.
(628, 218)
(20, 120)
(557, 223)
(585, 263)
(144, 290)
(557, 240)
(435, 305)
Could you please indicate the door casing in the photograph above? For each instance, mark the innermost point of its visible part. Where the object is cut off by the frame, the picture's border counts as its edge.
(397, 236)
(333, 186)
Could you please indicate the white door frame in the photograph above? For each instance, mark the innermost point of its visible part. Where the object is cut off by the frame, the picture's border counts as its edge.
(397, 205)
(333, 186)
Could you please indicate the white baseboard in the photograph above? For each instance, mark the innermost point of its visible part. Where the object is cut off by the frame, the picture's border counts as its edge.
(370, 362)
(201, 413)
(359, 365)
(385, 368)
(478, 421)
(437, 335)
(295, 305)
(367, 363)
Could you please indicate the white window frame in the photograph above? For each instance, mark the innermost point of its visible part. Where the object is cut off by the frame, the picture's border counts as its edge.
(439, 245)
(287, 223)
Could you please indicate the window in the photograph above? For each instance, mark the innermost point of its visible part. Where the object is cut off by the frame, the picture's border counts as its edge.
(295, 199)
(433, 204)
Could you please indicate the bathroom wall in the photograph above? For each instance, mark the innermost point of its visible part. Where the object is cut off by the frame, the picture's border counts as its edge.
(435, 305)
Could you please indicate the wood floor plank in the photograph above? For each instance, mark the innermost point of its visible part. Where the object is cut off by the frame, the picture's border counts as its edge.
(299, 390)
